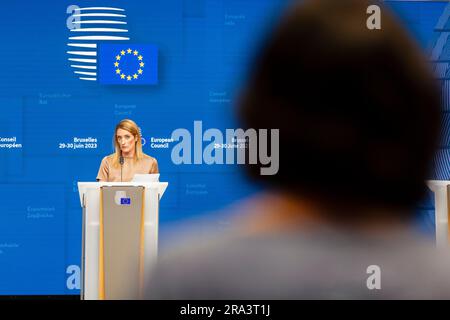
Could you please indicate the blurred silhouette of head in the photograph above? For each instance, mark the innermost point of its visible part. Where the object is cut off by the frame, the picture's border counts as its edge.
(358, 110)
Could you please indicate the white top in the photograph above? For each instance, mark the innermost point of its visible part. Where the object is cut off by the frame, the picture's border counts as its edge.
(83, 186)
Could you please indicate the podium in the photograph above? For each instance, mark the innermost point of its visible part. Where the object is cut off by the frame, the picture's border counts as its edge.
(119, 237)
(441, 191)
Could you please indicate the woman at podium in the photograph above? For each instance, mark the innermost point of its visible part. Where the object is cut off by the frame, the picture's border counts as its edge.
(128, 158)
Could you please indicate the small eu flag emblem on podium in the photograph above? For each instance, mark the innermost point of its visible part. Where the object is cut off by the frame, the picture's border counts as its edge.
(128, 64)
(125, 201)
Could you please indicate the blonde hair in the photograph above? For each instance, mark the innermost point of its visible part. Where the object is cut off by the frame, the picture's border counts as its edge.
(130, 126)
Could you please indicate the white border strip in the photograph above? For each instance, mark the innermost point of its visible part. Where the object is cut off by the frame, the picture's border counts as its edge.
(83, 67)
(86, 73)
(83, 53)
(99, 21)
(98, 38)
(83, 60)
(100, 8)
(83, 45)
(98, 15)
(98, 30)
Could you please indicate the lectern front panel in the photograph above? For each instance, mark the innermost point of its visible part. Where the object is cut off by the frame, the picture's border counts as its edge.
(121, 242)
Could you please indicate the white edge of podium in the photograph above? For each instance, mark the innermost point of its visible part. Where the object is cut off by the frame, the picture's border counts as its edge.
(439, 187)
(90, 191)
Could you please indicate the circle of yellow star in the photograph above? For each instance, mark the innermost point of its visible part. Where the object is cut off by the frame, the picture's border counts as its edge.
(130, 76)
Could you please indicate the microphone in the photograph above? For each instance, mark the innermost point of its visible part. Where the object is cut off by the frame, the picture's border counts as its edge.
(121, 161)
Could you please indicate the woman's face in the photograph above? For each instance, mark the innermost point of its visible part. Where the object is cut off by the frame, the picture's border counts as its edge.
(126, 140)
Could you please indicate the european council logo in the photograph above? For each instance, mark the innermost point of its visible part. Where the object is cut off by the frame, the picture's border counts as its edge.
(99, 48)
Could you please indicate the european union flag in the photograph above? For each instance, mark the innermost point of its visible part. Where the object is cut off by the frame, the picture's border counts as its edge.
(129, 64)
(125, 201)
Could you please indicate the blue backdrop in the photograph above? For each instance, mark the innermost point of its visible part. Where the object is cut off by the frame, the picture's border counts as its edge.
(203, 51)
